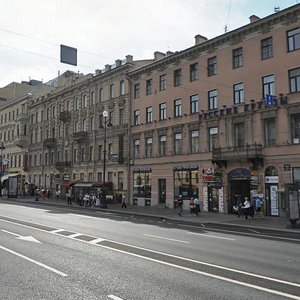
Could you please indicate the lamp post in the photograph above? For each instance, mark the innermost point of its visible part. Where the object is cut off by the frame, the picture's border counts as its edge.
(105, 121)
(2, 147)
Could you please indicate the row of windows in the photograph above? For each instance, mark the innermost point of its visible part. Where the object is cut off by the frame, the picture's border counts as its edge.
(239, 134)
(268, 88)
(293, 43)
(11, 115)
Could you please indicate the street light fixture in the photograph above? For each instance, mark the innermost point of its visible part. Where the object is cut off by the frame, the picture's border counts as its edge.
(105, 123)
(2, 147)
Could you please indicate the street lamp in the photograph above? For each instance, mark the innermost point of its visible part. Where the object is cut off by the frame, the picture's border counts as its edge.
(105, 121)
(2, 147)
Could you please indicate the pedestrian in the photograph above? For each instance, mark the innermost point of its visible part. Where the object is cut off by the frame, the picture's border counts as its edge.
(192, 206)
(124, 201)
(258, 206)
(197, 205)
(57, 193)
(37, 195)
(179, 205)
(69, 198)
(246, 208)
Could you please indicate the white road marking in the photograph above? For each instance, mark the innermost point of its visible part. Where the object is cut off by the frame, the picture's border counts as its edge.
(34, 261)
(57, 230)
(74, 235)
(21, 237)
(52, 217)
(95, 241)
(114, 297)
(163, 238)
(211, 236)
(179, 257)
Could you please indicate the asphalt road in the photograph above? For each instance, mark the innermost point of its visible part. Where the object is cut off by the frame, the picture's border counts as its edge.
(62, 253)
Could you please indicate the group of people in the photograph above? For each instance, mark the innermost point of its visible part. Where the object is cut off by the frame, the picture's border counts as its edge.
(247, 208)
(194, 205)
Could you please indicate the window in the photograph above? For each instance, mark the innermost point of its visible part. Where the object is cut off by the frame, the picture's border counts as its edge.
(122, 87)
(149, 87)
(239, 134)
(270, 132)
(99, 176)
(163, 82)
(268, 85)
(77, 106)
(121, 116)
(213, 99)
(137, 91)
(194, 141)
(120, 180)
(99, 154)
(82, 155)
(177, 143)
(294, 80)
(149, 114)
(212, 66)
(136, 117)
(91, 153)
(177, 108)
(111, 91)
(84, 101)
(101, 95)
(149, 147)
(194, 104)
(136, 148)
(163, 111)
(267, 48)
(92, 100)
(92, 123)
(84, 125)
(295, 128)
(194, 72)
(177, 77)
(213, 138)
(237, 58)
(238, 93)
(293, 38)
(162, 145)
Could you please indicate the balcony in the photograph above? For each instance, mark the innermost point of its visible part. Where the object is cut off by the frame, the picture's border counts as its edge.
(65, 116)
(249, 153)
(80, 136)
(21, 141)
(62, 165)
(22, 117)
(50, 143)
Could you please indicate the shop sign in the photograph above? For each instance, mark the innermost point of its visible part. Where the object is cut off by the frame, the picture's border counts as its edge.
(239, 174)
(208, 178)
(66, 177)
(271, 179)
(189, 167)
(286, 167)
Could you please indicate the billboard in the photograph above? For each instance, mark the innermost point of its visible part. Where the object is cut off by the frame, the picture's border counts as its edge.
(68, 55)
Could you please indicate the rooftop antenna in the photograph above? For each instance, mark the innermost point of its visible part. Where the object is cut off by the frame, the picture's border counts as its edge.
(276, 9)
(225, 28)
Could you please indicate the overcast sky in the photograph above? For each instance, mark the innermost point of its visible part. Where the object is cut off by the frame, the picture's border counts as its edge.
(31, 31)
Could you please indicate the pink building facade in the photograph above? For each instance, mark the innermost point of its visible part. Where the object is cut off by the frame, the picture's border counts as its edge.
(220, 120)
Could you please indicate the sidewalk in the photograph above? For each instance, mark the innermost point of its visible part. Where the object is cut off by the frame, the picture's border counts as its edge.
(271, 223)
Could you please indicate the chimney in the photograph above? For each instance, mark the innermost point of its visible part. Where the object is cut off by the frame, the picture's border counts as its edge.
(200, 39)
(129, 58)
(254, 18)
(158, 55)
(107, 68)
(98, 72)
(118, 62)
(169, 53)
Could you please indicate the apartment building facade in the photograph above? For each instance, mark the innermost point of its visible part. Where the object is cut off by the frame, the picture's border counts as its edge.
(220, 120)
(69, 135)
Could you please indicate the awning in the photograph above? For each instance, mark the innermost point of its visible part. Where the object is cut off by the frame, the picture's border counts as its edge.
(84, 184)
(6, 176)
(68, 183)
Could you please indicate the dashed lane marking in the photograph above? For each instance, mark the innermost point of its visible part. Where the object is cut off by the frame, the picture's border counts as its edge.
(164, 238)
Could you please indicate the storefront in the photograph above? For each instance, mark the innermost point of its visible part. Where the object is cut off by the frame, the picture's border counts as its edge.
(142, 187)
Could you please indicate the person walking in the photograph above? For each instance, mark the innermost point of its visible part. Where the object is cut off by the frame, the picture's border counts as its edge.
(246, 208)
(258, 207)
(124, 201)
(37, 195)
(69, 199)
(57, 193)
(197, 205)
(179, 205)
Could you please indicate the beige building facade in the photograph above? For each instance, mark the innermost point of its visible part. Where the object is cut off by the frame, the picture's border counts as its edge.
(220, 120)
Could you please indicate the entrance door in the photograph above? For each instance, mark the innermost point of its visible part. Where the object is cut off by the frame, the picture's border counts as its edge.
(239, 189)
(162, 191)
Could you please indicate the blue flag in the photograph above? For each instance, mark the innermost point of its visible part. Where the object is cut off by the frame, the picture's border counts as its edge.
(269, 100)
